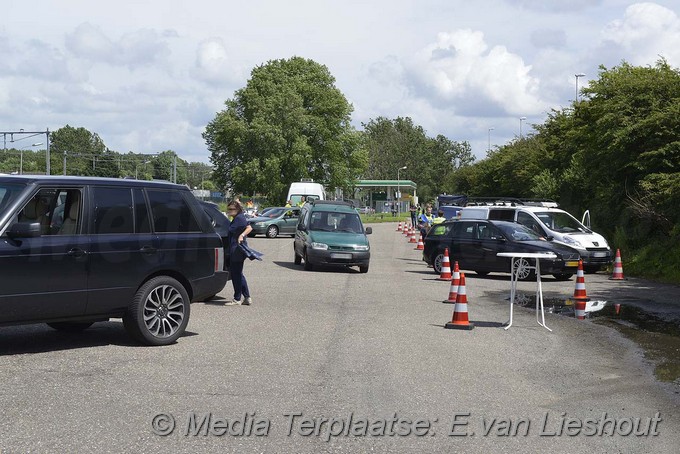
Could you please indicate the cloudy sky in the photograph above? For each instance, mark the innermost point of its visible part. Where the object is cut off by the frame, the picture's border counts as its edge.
(149, 75)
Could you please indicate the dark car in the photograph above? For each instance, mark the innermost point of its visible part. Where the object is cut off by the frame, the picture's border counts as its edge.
(74, 251)
(475, 243)
(331, 233)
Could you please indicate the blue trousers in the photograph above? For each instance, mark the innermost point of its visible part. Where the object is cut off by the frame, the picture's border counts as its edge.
(238, 279)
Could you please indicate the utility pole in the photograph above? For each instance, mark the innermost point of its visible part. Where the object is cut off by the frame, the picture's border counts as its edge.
(64, 162)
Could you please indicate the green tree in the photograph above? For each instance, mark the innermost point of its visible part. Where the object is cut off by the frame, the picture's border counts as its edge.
(430, 162)
(82, 149)
(289, 122)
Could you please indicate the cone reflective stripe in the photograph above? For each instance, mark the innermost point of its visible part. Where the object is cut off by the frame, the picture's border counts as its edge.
(580, 310)
(445, 274)
(580, 289)
(399, 227)
(460, 318)
(617, 275)
(413, 238)
(580, 296)
(455, 282)
(420, 246)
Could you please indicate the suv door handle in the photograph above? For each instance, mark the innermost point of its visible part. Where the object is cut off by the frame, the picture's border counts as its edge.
(76, 252)
(147, 250)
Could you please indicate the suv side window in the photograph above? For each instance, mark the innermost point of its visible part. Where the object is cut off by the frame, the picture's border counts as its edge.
(58, 211)
(112, 211)
(528, 221)
(465, 230)
(142, 223)
(171, 213)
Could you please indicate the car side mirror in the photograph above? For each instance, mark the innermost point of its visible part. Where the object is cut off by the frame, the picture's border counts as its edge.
(24, 230)
(549, 238)
(301, 226)
(369, 230)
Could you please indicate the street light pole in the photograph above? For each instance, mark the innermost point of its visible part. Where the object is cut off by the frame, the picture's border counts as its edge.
(577, 76)
(489, 149)
(398, 191)
(21, 156)
(521, 119)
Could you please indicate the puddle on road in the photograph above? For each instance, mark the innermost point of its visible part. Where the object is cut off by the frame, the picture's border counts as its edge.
(659, 338)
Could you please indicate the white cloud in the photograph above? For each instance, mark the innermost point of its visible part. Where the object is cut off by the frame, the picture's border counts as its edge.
(461, 71)
(646, 31)
(213, 64)
(139, 48)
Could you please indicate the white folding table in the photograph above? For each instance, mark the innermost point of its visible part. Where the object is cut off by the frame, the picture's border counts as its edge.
(514, 274)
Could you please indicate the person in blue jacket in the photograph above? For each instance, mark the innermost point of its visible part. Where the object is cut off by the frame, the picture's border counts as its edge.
(238, 231)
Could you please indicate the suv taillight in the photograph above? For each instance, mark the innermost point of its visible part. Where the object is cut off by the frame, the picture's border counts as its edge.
(219, 259)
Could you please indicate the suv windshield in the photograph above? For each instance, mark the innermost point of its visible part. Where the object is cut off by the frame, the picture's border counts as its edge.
(329, 221)
(517, 232)
(560, 221)
(8, 192)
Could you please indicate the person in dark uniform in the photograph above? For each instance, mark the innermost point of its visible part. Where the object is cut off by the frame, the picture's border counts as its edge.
(238, 231)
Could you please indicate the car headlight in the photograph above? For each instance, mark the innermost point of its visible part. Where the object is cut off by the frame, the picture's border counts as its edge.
(259, 224)
(361, 247)
(572, 242)
(320, 246)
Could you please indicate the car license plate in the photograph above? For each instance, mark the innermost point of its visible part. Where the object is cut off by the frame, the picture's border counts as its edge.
(341, 256)
(570, 264)
(600, 254)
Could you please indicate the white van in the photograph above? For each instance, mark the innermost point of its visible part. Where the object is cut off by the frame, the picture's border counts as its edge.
(554, 224)
(307, 189)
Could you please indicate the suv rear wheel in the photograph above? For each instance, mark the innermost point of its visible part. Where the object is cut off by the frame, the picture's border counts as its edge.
(437, 262)
(159, 312)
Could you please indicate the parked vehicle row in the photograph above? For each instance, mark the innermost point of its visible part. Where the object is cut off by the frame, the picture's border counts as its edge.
(476, 243)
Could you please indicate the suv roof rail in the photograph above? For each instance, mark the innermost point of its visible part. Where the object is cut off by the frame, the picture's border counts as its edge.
(510, 202)
(548, 203)
(493, 201)
(331, 202)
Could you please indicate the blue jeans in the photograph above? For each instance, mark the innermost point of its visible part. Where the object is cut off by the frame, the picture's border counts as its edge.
(238, 279)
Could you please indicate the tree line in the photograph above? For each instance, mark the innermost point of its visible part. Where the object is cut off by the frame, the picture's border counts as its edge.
(78, 151)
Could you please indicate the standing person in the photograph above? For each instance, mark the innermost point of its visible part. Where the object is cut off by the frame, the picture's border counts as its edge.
(426, 220)
(302, 202)
(238, 231)
(414, 214)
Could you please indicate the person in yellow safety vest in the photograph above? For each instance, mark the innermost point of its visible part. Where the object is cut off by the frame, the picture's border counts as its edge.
(288, 204)
(302, 201)
(439, 219)
(425, 220)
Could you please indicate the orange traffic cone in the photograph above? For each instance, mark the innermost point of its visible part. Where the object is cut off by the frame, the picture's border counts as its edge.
(618, 268)
(399, 227)
(460, 312)
(455, 282)
(413, 238)
(420, 246)
(445, 274)
(580, 296)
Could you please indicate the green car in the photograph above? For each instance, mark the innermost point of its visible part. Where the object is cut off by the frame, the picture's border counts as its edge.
(331, 233)
(275, 222)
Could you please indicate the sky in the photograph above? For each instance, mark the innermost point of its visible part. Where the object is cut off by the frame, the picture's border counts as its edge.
(148, 76)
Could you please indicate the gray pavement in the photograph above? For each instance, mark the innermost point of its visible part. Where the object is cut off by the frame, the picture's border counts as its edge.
(336, 343)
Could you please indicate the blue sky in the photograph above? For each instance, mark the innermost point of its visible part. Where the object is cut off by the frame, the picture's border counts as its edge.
(148, 76)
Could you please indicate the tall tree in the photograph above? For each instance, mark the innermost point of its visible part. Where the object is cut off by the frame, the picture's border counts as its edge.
(289, 122)
(429, 162)
(82, 149)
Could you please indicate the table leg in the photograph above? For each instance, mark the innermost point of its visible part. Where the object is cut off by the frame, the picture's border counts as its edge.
(539, 296)
(513, 287)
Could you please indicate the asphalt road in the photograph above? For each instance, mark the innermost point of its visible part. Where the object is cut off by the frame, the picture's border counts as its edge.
(336, 343)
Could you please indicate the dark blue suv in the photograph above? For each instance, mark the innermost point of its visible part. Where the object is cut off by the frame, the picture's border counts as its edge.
(74, 251)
